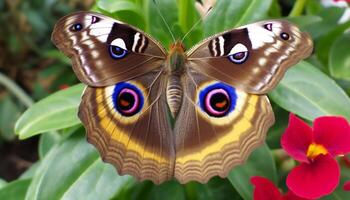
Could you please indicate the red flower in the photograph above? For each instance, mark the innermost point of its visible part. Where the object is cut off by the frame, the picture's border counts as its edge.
(347, 186)
(319, 173)
(266, 190)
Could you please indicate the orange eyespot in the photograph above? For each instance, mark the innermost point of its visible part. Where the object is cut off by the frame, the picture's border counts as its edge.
(221, 104)
(124, 103)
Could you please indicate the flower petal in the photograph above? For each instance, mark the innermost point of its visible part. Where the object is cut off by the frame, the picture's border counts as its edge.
(315, 179)
(297, 138)
(291, 196)
(346, 186)
(333, 133)
(265, 189)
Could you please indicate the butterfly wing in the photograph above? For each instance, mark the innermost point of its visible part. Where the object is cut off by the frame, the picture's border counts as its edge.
(252, 58)
(105, 51)
(224, 113)
(128, 124)
(217, 128)
(123, 108)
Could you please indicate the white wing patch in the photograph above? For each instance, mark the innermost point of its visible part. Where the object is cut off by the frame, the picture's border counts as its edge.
(239, 47)
(119, 43)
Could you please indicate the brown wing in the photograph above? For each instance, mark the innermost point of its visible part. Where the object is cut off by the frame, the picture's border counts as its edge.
(210, 143)
(105, 51)
(136, 140)
(252, 58)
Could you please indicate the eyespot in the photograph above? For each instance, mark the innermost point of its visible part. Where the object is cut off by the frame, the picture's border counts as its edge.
(238, 54)
(218, 100)
(117, 52)
(117, 49)
(285, 36)
(127, 99)
(94, 19)
(77, 27)
(268, 26)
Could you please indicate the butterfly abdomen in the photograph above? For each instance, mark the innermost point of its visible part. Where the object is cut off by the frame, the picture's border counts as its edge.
(174, 94)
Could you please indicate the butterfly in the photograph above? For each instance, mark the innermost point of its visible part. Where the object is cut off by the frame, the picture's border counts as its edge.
(190, 114)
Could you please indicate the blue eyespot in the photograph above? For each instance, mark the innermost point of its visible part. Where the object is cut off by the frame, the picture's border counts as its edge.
(127, 99)
(117, 52)
(77, 27)
(239, 57)
(218, 100)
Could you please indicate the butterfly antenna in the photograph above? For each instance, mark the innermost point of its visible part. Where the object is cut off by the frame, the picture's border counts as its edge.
(196, 24)
(165, 22)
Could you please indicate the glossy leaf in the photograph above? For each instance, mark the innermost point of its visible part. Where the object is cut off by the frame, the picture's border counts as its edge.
(2, 183)
(9, 113)
(259, 163)
(188, 17)
(46, 142)
(217, 188)
(157, 27)
(310, 93)
(72, 170)
(231, 14)
(57, 111)
(339, 58)
(124, 10)
(15, 190)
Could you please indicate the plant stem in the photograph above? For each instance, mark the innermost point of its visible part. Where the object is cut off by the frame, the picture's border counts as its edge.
(15, 90)
(297, 8)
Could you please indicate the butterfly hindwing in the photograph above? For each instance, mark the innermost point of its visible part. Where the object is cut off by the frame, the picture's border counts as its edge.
(127, 123)
(105, 51)
(252, 58)
(217, 128)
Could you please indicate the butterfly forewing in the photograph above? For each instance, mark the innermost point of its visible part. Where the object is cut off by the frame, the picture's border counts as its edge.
(253, 58)
(105, 51)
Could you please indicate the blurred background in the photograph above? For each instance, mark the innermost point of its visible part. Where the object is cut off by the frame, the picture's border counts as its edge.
(31, 68)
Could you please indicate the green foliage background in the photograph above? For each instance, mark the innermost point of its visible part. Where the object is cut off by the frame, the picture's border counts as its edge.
(70, 168)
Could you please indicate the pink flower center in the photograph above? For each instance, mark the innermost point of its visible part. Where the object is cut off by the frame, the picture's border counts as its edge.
(315, 150)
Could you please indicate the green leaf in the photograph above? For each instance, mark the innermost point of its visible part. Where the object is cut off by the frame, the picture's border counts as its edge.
(157, 27)
(275, 132)
(217, 188)
(57, 111)
(259, 163)
(188, 16)
(74, 170)
(309, 93)
(325, 43)
(304, 21)
(15, 190)
(31, 171)
(229, 14)
(124, 10)
(171, 190)
(330, 18)
(9, 113)
(2, 183)
(339, 58)
(46, 142)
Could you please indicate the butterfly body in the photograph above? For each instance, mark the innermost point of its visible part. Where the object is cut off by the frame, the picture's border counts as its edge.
(175, 64)
(190, 114)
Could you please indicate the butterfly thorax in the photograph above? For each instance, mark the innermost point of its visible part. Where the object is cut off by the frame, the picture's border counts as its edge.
(176, 67)
(176, 58)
